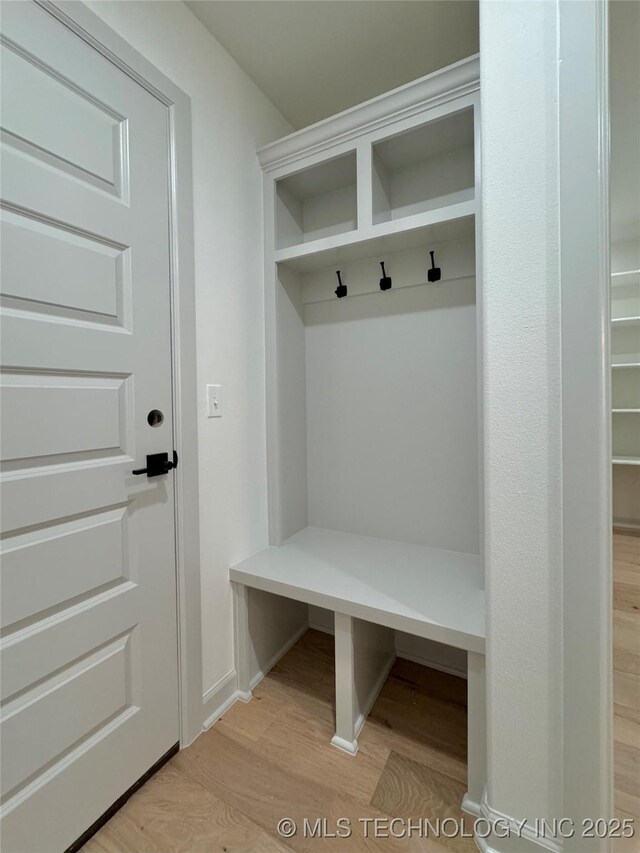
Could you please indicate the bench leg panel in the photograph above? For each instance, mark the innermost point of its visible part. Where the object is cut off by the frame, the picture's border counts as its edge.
(477, 733)
(345, 736)
(365, 653)
(242, 638)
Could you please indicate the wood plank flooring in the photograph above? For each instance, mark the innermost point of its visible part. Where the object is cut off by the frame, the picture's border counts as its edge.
(626, 680)
(271, 758)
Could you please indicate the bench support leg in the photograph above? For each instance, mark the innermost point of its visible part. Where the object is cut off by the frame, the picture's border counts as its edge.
(364, 655)
(477, 733)
(242, 638)
(345, 736)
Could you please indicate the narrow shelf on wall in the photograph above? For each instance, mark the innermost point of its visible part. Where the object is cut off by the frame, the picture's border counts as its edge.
(625, 277)
(626, 460)
(435, 226)
(625, 321)
(625, 411)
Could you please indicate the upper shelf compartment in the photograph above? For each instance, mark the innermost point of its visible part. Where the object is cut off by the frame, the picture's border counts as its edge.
(425, 168)
(318, 202)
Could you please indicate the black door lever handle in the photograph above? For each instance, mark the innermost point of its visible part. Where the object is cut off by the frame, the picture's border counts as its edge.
(157, 464)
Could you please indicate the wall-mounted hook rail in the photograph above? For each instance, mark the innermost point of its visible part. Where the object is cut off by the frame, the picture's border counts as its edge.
(385, 281)
(341, 289)
(434, 274)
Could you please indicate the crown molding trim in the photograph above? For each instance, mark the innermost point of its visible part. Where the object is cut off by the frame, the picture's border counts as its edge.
(441, 87)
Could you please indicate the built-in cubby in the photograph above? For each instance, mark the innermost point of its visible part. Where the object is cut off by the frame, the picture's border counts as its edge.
(424, 168)
(377, 395)
(320, 201)
(374, 427)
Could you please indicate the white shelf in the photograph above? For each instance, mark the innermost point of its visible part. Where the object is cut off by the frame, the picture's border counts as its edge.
(435, 226)
(424, 591)
(626, 411)
(626, 460)
(625, 364)
(625, 277)
(625, 321)
(424, 168)
(625, 389)
(317, 202)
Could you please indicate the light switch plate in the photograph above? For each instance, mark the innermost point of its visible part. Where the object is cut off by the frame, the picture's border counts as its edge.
(214, 401)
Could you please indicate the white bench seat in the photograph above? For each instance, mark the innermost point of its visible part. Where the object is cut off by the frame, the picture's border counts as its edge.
(375, 586)
(424, 591)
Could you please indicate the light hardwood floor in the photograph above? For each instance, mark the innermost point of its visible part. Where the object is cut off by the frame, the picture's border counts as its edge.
(626, 679)
(271, 758)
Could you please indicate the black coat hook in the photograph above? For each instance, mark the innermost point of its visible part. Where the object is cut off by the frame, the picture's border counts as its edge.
(385, 281)
(434, 273)
(341, 289)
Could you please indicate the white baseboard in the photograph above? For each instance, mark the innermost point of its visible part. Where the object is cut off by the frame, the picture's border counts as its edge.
(219, 698)
(257, 678)
(351, 747)
(433, 664)
(373, 695)
(626, 524)
(324, 629)
(322, 620)
(528, 842)
(317, 624)
(471, 806)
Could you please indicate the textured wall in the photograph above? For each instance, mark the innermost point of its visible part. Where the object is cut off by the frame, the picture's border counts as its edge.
(522, 400)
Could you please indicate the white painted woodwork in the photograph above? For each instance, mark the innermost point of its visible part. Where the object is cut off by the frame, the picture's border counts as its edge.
(432, 226)
(391, 412)
(317, 202)
(242, 640)
(374, 653)
(48, 415)
(625, 388)
(373, 411)
(625, 294)
(94, 155)
(626, 433)
(90, 547)
(345, 734)
(426, 168)
(476, 732)
(274, 625)
(408, 646)
(52, 269)
(625, 393)
(364, 655)
(425, 591)
(89, 638)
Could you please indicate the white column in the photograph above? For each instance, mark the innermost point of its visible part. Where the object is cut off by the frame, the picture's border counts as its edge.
(533, 175)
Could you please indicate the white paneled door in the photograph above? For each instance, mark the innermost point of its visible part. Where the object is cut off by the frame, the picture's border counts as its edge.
(88, 646)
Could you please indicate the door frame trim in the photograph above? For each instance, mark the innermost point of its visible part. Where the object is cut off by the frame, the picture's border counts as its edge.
(89, 27)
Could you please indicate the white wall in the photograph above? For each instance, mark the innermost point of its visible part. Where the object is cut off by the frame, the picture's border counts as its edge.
(391, 413)
(231, 119)
(522, 405)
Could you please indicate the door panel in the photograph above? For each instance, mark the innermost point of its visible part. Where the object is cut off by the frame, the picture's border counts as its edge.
(89, 640)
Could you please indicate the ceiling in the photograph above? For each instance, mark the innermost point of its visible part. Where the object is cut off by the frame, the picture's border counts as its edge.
(314, 58)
